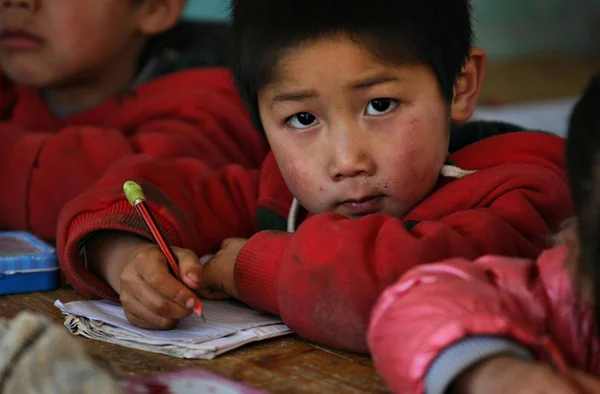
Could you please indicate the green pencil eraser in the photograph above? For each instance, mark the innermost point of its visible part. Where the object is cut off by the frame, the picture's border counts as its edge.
(133, 192)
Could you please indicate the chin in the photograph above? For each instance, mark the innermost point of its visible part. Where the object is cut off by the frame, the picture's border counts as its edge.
(397, 212)
(28, 77)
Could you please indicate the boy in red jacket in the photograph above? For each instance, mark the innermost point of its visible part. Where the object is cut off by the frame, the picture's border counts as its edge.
(498, 324)
(84, 84)
(357, 102)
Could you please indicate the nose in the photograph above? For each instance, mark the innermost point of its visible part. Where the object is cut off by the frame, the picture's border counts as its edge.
(20, 4)
(350, 156)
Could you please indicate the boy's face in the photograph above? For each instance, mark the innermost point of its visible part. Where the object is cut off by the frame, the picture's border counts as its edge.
(353, 135)
(50, 43)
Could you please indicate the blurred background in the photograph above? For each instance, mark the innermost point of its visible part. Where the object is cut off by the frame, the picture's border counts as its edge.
(538, 49)
(506, 28)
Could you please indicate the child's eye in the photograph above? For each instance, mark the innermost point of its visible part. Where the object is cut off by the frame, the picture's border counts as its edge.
(302, 120)
(380, 106)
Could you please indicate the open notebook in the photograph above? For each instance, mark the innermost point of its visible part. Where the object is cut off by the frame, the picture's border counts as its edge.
(228, 325)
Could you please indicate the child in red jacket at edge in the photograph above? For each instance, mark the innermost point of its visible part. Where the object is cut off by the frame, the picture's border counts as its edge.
(499, 324)
(84, 84)
(357, 103)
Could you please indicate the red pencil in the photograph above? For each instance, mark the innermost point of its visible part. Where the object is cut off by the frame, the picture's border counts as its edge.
(136, 197)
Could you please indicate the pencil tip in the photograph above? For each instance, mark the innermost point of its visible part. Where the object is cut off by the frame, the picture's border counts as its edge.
(198, 308)
(203, 318)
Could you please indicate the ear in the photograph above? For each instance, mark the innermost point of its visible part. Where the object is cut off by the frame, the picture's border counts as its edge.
(570, 239)
(468, 86)
(157, 16)
(584, 284)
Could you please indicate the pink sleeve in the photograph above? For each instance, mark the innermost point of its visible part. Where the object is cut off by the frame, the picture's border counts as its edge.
(436, 306)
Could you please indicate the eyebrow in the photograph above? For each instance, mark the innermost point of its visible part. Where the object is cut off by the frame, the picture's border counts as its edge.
(364, 84)
(294, 96)
(374, 81)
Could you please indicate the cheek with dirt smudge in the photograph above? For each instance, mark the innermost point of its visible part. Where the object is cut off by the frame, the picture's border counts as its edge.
(305, 186)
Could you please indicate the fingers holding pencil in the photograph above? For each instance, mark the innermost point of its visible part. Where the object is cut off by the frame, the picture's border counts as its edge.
(190, 268)
(135, 196)
(153, 298)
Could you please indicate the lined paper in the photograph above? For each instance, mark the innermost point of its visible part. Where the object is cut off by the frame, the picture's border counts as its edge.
(228, 325)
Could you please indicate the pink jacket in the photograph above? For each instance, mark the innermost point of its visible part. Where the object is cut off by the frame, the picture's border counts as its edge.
(439, 319)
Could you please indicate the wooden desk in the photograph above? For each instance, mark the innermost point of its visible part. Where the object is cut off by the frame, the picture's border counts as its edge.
(281, 365)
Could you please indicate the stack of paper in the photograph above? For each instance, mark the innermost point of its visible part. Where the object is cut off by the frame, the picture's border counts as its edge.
(228, 325)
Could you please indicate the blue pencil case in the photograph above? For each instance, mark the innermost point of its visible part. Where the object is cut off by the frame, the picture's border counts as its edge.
(27, 264)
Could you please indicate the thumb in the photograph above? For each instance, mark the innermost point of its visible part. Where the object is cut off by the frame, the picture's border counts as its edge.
(190, 268)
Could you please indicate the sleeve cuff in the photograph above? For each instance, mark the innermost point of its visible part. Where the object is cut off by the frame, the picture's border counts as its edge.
(462, 355)
(257, 267)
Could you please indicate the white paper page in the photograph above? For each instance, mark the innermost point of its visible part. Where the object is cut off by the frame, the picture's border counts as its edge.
(205, 350)
(222, 318)
(552, 115)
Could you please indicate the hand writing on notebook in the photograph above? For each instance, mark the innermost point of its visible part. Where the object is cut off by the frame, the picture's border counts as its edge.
(505, 374)
(152, 298)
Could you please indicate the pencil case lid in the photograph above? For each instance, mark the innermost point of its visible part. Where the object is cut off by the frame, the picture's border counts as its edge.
(22, 252)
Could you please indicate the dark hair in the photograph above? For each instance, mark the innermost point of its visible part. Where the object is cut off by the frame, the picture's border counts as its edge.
(206, 43)
(435, 33)
(583, 164)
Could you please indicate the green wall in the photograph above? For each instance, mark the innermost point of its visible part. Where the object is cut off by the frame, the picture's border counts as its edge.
(513, 28)
(207, 9)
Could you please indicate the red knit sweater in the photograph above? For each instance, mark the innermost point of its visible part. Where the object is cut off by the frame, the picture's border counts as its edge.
(46, 161)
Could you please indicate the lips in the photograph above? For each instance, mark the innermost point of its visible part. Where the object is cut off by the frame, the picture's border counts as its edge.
(19, 39)
(363, 205)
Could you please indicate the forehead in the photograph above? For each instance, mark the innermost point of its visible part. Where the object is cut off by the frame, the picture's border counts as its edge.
(336, 63)
(322, 56)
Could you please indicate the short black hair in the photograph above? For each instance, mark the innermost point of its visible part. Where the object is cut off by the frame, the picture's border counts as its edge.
(583, 166)
(435, 33)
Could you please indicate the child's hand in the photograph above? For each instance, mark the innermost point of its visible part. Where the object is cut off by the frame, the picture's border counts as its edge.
(219, 271)
(504, 374)
(151, 296)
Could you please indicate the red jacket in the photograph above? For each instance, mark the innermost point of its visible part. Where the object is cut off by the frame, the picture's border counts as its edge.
(324, 279)
(45, 161)
(431, 308)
